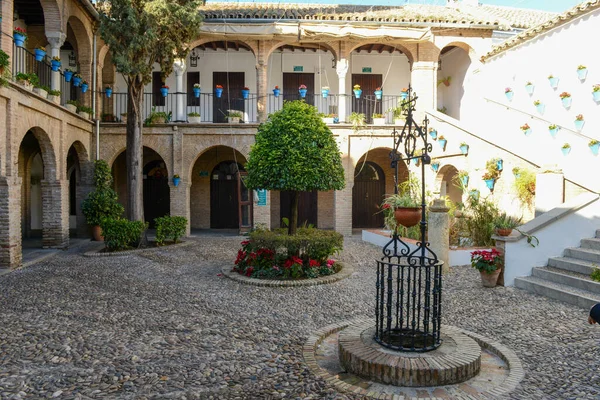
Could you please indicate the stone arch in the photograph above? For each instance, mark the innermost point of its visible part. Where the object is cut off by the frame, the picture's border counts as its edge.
(456, 60)
(47, 151)
(446, 182)
(462, 45)
(85, 164)
(83, 45)
(251, 44)
(405, 50)
(276, 45)
(53, 18)
(242, 152)
(110, 161)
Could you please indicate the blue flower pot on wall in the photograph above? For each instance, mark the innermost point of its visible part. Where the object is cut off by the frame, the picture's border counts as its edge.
(509, 95)
(566, 102)
(579, 125)
(218, 92)
(490, 183)
(196, 92)
(527, 132)
(553, 82)
(84, 87)
(403, 95)
(529, 89)
(324, 93)
(582, 74)
(596, 96)
(433, 134)
(464, 149)
(176, 181)
(553, 131)
(108, 92)
(415, 160)
(435, 166)
(474, 194)
(442, 143)
(276, 92)
(55, 65)
(357, 93)
(19, 39)
(164, 91)
(302, 92)
(566, 151)
(378, 94)
(464, 180)
(76, 81)
(245, 94)
(594, 148)
(540, 108)
(500, 165)
(39, 54)
(68, 75)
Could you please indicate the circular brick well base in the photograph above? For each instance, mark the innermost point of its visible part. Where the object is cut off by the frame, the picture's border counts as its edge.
(458, 359)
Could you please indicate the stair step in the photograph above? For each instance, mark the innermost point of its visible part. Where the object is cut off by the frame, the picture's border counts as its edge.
(572, 264)
(557, 291)
(584, 254)
(573, 279)
(593, 244)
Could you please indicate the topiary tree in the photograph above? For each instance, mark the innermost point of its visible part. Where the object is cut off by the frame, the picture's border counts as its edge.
(102, 203)
(295, 151)
(139, 34)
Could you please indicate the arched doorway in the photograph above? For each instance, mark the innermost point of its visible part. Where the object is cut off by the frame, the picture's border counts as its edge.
(449, 184)
(455, 63)
(31, 171)
(156, 191)
(224, 195)
(74, 177)
(367, 195)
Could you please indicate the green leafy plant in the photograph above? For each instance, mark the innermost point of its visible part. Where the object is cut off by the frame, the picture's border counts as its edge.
(479, 222)
(234, 114)
(593, 142)
(81, 108)
(73, 103)
(552, 126)
(524, 185)
(4, 60)
(54, 92)
(103, 202)
(566, 146)
(378, 116)
(492, 171)
(486, 261)
(122, 234)
(156, 117)
(193, 114)
(537, 103)
(407, 197)
(595, 275)
(170, 228)
(357, 120)
(505, 221)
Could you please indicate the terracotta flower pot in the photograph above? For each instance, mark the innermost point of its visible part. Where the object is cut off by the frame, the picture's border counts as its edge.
(503, 232)
(490, 280)
(97, 233)
(408, 216)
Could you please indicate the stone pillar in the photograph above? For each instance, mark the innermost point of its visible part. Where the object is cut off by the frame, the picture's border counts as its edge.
(55, 213)
(424, 84)
(261, 87)
(549, 191)
(179, 68)
(439, 227)
(56, 40)
(10, 221)
(343, 209)
(342, 71)
(6, 43)
(262, 214)
(180, 201)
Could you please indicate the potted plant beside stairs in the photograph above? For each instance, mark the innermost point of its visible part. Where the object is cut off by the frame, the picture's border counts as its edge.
(103, 202)
(489, 265)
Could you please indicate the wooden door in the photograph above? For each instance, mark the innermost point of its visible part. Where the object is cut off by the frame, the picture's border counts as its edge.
(231, 99)
(307, 207)
(291, 83)
(367, 104)
(224, 204)
(157, 194)
(367, 196)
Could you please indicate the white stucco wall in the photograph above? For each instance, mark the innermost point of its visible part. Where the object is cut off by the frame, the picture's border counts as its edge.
(457, 64)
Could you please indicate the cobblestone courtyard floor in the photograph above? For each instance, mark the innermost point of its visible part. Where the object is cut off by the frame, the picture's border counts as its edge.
(165, 324)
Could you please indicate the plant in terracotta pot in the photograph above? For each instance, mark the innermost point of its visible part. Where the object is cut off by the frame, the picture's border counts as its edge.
(489, 265)
(402, 208)
(102, 203)
(505, 224)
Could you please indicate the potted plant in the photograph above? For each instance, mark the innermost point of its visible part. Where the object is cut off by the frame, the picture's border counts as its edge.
(176, 180)
(594, 144)
(566, 99)
(124, 118)
(378, 119)
(442, 141)
(54, 96)
(404, 93)
(539, 106)
(509, 93)
(582, 72)
(526, 129)
(357, 120)
(55, 63)
(553, 81)
(102, 203)
(445, 81)
(402, 208)
(490, 180)
(325, 91)
(245, 92)
(463, 178)
(233, 116)
(194, 118)
(26, 80)
(218, 91)
(435, 166)
(516, 172)
(68, 75)
(108, 91)
(357, 91)
(302, 90)
(276, 91)
(19, 36)
(529, 87)
(553, 129)
(72, 105)
(489, 265)
(416, 160)
(156, 117)
(579, 122)
(84, 86)
(566, 149)
(328, 118)
(77, 80)
(378, 93)
(505, 224)
(399, 113)
(39, 53)
(499, 164)
(464, 148)
(433, 133)
(196, 89)
(596, 92)
(164, 90)
(41, 90)
(84, 111)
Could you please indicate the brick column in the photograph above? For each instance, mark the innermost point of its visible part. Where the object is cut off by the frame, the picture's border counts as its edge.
(10, 222)
(342, 72)
(261, 83)
(55, 213)
(179, 68)
(180, 201)
(343, 209)
(56, 40)
(6, 6)
(262, 214)
(424, 83)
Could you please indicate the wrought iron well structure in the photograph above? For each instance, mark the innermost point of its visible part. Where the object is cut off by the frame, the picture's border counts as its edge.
(408, 309)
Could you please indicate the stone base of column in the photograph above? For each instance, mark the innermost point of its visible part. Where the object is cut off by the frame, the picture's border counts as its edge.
(439, 227)
(10, 223)
(55, 214)
(180, 202)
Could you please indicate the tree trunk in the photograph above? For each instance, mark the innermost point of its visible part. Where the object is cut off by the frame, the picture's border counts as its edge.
(293, 213)
(135, 202)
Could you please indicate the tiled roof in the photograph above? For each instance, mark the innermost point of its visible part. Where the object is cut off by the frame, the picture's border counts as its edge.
(493, 17)
(558, 20)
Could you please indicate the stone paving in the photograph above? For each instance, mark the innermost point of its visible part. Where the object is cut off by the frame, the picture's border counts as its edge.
(167, 324)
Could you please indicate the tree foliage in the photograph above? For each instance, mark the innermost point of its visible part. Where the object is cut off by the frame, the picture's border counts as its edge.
(295, 151)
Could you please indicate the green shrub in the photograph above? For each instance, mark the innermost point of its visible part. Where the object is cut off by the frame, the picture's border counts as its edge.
(525, 186)
(478, 224)
(171, 228)
(103, 202)
(308, 243)
(122, 234)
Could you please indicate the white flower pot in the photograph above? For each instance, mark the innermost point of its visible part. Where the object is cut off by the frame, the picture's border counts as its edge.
(399, 121)
(233, 120)
(194, 120)
(124, 119)
(71, 107)
(55, 99)
(378, 121)
(41, 92)
(84, 115)
(26, 85)
(328, 120)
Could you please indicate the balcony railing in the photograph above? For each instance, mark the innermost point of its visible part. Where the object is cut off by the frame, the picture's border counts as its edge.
(213, 109)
